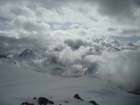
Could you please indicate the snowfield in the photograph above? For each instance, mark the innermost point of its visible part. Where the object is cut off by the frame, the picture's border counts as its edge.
(18, 85)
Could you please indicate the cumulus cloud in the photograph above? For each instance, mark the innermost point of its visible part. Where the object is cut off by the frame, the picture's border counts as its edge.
(68, 55)
(22, 11)
(92, 14)
(30, 24)
(10, 9)
(74, 26)
(111, 8)
(75, 44)
(47, 15)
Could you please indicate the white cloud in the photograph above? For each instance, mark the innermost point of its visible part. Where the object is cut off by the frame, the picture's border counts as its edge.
(78, 67)
(68, 55)
(22, 11)
(18, 21)
(47, 15)
(29, 24)
(61, 14)
(121, 69)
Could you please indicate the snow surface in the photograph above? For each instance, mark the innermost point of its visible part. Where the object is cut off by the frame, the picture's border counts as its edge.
(18, 85)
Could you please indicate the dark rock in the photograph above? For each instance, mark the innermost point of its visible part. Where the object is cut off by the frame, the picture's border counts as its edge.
(34, 98)
(42, 100)
(133, 92)
(50, 102)
(26, 103)
(93, 102)
(3, 56)
(66, 102)
(78, 97)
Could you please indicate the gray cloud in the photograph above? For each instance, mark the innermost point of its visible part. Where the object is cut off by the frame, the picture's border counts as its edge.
(73, 12)
(105, 7)
(30, 24)
(119, 8)
(22, 11)
(111, 29)
(116, 8)
(131, 32)
(121, 69)
(10, 9)
(9, 45)
(75, 44)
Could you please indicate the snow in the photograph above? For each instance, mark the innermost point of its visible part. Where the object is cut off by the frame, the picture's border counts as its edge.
(18, 85)
(27, 75)
(113, 49)
(107, 41)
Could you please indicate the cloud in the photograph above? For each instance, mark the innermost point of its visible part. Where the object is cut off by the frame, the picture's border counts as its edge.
(48, 15)
(19, 20)
(59, 14)
(10, 9)
(75, 44)
(121, 69)
(116, 9)
(22, 11)
(111, 29)
(68, 55)
(74, 26)
(111, 8)
(138, 43)
(29, 24)
(12, 45)
(131, 32)
(11, 33)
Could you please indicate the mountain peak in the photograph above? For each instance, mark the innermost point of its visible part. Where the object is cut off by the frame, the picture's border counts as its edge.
(129, 44)
(29, 53)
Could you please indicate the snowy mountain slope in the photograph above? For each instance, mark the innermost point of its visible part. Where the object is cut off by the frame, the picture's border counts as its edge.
(29, 54)
(18, 85)
(129, 45)
(85, 61)
(112, 40)
(28, 72)
(113, 49)
(109, 41)
(7, 60)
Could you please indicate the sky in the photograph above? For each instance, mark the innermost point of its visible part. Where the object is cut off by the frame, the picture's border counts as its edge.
(85, 18)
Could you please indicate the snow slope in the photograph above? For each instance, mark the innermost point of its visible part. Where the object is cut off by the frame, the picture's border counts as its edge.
(18, 85)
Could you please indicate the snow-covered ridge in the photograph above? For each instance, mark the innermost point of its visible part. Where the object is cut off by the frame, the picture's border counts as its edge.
(21, 85)
(30, 53)
(110, 41)
(104, 41)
